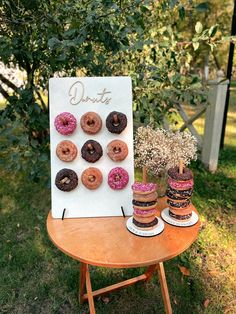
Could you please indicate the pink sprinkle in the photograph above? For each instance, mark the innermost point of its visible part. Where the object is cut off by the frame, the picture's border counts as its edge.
(65, 123)
(118, 178)
(144, 212)
(144, 187)
(181, 185)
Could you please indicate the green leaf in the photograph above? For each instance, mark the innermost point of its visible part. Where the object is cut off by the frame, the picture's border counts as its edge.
(198, 27)
(202, 7)
(43, 157)
(173, 3)
(195, 46)
(53, 43)
(182, 13)
(213, 30)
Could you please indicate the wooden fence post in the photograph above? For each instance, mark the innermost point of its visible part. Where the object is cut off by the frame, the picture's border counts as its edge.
(213, 122)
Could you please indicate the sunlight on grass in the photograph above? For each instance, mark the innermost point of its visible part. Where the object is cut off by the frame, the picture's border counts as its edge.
(215, 262)
(7, 204)
(2, 104)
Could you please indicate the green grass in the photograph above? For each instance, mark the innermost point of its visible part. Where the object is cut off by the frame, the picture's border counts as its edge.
(37, 278)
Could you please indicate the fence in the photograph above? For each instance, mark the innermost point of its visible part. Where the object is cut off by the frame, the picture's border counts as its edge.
(209, 144)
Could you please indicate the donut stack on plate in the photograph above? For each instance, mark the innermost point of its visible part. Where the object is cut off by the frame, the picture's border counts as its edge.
(144, 205)
(179, 192)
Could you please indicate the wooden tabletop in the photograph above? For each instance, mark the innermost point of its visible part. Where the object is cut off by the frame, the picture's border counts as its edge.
(107, 242)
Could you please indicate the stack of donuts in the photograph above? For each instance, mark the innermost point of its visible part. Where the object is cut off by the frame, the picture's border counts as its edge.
(179, 192)
(144, 205)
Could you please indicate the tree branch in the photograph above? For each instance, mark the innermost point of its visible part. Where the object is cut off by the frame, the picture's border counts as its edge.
(9, 83)
(216, 61)
(41, 100)
(4, 93)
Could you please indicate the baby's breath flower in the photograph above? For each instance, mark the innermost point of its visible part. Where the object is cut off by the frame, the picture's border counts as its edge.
(159, 149)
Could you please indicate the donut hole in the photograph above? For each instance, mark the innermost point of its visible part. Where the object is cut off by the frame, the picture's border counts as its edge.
(91, 123)
(184, 170)
(91, 149)
(116, 123)
(91, 178)
(116, 150)
(117, 177)
(115, 120)
(64, 121)
(65, 180)
(66, 151)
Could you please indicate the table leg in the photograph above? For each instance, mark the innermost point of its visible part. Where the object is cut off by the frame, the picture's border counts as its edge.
(89, 292)
(149, 272)
(164, 288)
(85, 279)
(82, 280)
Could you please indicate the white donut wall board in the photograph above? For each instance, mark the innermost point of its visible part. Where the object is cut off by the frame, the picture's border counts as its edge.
(102, 95)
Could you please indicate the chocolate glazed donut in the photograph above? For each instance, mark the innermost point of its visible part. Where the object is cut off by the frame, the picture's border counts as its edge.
(174, 204)
(185, 176)
(180, 217)
(145, 225)
(179, 194)
(116, 122)
(66, 180)
(91, 151)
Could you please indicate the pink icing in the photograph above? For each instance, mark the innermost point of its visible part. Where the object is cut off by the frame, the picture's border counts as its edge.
(65, 123)
(181, 185)
(144, 187)
(118, 178)
(144, 212)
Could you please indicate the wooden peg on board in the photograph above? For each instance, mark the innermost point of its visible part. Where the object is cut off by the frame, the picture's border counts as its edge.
(115, 119)
(90, 146)
(181, 166)
(144, 174)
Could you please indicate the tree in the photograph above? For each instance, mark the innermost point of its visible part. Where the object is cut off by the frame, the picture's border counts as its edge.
(95, 37)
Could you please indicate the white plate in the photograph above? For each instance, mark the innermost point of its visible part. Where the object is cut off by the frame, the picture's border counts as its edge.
(192, 221)
(145, 233)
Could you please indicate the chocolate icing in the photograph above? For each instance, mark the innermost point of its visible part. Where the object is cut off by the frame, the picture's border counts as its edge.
(66, 180)
(143, 204)
(91, 151)
(178, 204)
(118, 127)
(145, 225)
(180, 217)
(185, 176)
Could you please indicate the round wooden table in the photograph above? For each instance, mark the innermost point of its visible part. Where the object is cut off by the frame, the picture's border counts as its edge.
(106, 242)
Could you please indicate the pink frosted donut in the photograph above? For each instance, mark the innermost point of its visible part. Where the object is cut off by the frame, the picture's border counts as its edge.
(144, 188)
(118, 178)
(144, 213)
(180, 184)
(65, 123)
